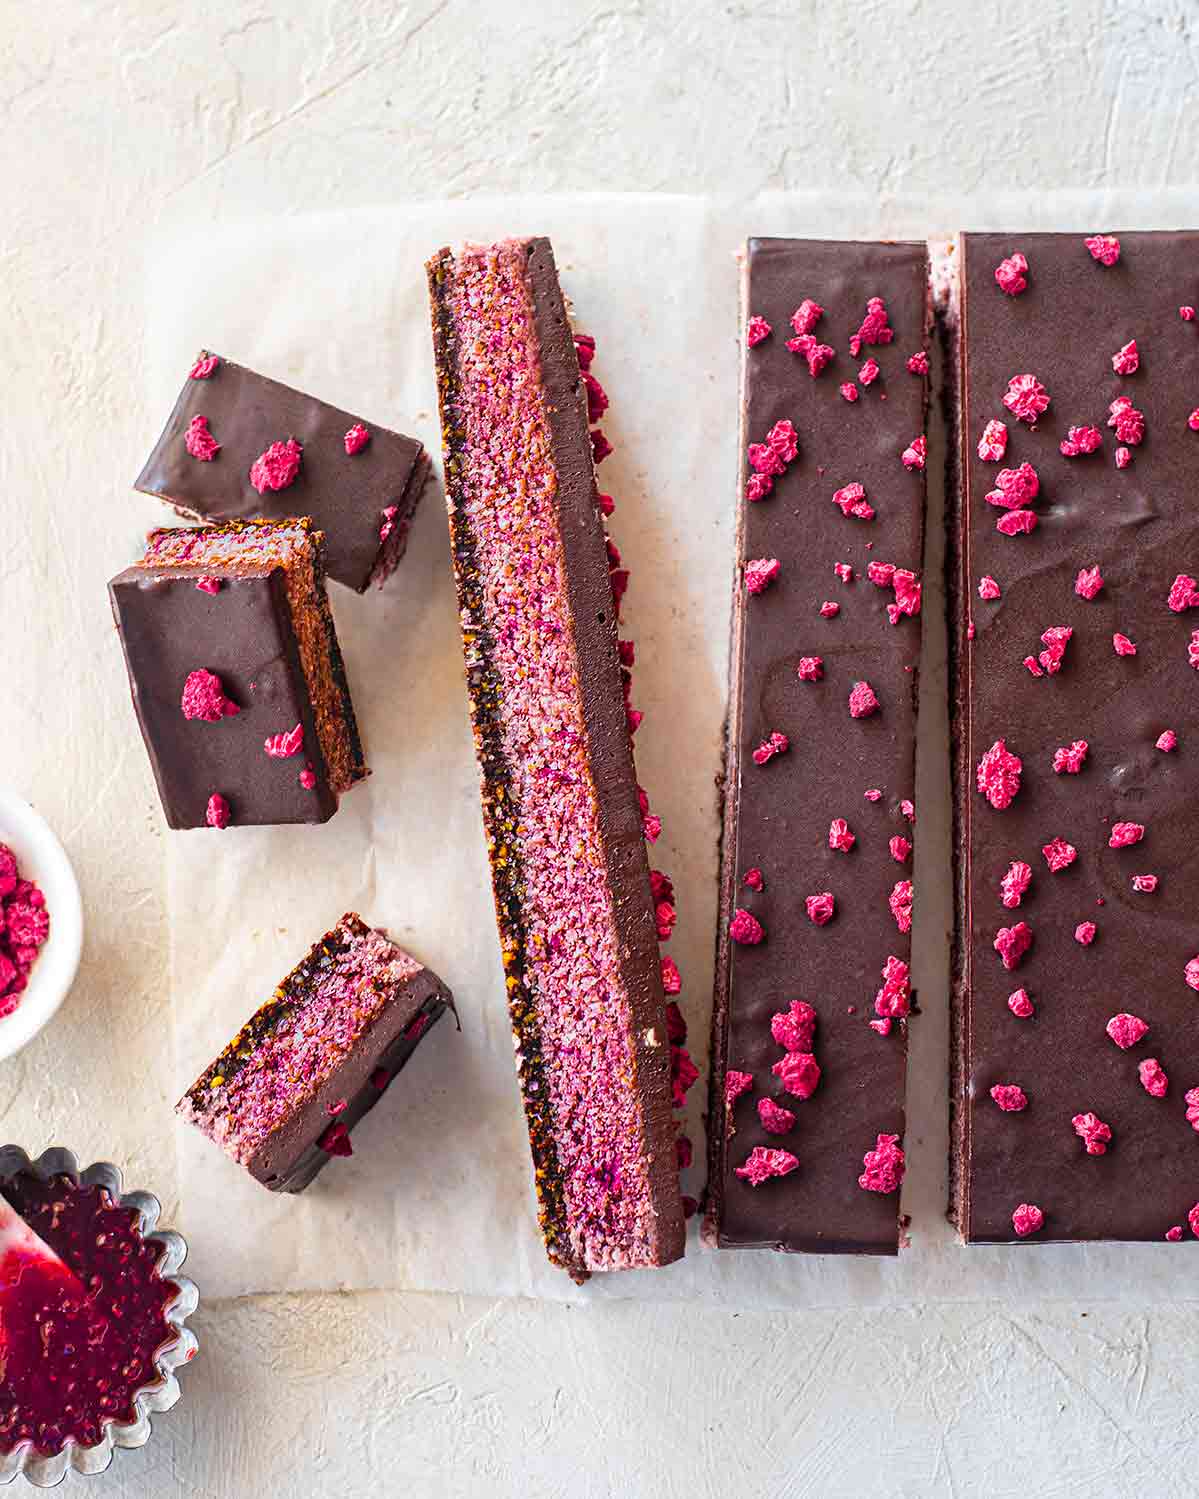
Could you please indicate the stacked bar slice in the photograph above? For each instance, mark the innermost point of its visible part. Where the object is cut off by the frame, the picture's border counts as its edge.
(285, 1093)
(560, 800)
(238, 446)
(1077, 726)
(812, 987)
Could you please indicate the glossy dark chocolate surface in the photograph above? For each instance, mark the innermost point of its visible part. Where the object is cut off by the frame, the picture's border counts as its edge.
(170, 628)
(345, 495)
(777, 816)
(1140, 525)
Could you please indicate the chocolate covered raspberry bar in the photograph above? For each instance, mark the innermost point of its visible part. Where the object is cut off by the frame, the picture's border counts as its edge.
(238, 446)
(236, 674)
(560, 800)
(806, 1113)
(286, 1092)
(1076, 1053)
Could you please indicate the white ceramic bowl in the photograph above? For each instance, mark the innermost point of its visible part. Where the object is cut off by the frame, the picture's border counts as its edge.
(42, 859)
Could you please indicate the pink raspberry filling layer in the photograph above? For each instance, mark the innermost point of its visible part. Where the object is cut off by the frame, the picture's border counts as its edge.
(316, 1034)
(572, 961)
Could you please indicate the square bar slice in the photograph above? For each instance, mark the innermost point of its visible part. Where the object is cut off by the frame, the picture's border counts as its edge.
(812, 985)
(285, 1093)
(238, 446)
(236, 674)
(560, 804)
(1076, 701)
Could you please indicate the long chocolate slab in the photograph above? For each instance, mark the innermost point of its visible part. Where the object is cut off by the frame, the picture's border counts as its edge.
(360, 483)
(1097, 1140)
(310, 1063)
(560, 804)
(814, 585)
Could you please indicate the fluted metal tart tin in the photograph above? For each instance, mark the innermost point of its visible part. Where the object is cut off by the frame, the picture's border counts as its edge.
(159, 1393)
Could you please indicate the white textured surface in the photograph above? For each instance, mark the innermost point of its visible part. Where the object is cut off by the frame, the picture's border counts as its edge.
(119, 116)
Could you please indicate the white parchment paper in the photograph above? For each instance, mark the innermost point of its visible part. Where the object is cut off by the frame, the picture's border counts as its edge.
(437, 1195)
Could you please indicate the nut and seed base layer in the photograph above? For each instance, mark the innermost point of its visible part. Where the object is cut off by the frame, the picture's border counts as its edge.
(560, 802)
(1076, 1049)
(285, 1093)
(812, 987)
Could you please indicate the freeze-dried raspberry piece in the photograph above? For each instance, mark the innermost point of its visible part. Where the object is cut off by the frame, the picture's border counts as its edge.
(799, 1073)
(1193, 649)
(1167, 740)
(745, 928)
(199, 441)
(277, 467)
(1105, 248)
(736, 1083)
(756, 329)
(1126, 359)
(600, 446)
(839, 836)
(880, 1027)
(1187, 314)
(764, 459)
(776, 744)
(336, 1140)
(1012, 942)
(665, 917)
(820, 908)
(8, 874)
(806, 316)
(1055, 640)
(908, 809)
(676, 1026)
(205, 366)
(1026, 398)
(761, 1164)
(900, 902)
(1088, 583)
(584, 349)
(1079, 441)
(761, 572)
(1184, 594)
(1191, 1099)
(916, 453)
(917, 363)
(851, 500)
(1084, 933)
(27, 924)
(829, 610)
(869, 372)
(810, 668)
(217, 813)
(900, 849)
(992, 445)
(1027, 1219)
(1173, 1235)
(884, 1166)
(907, 592)
(784, 440)
(998, 775)
(1015, 882)
(283, 745)
(1126, 1030)
(1009, 1097)
(775, 1119)
(874, 328)
(672, 979)
(1125, 833)
(1020, 1004)
(209, 585)
(815, 353)
(1059, 855)
(204, 698)
(1153, 1077)
(880, 573)
(758, 486)
(1122, 645)
(1127, 420)
(1015, 487)
(894, 999)
(1017, 522)
(844, 571)
(1012, 274)
(849, 391)
(753, 879)
(1144, 884)
(1193, 1219)
(862, 701)
(988, 589)
(873, 794)
(1034, 669)
(1069, 758)
(794, 1029)
(1193, 420)
(1123, 457)
(683, 1073)
(356, 439)
(1092, 1131)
